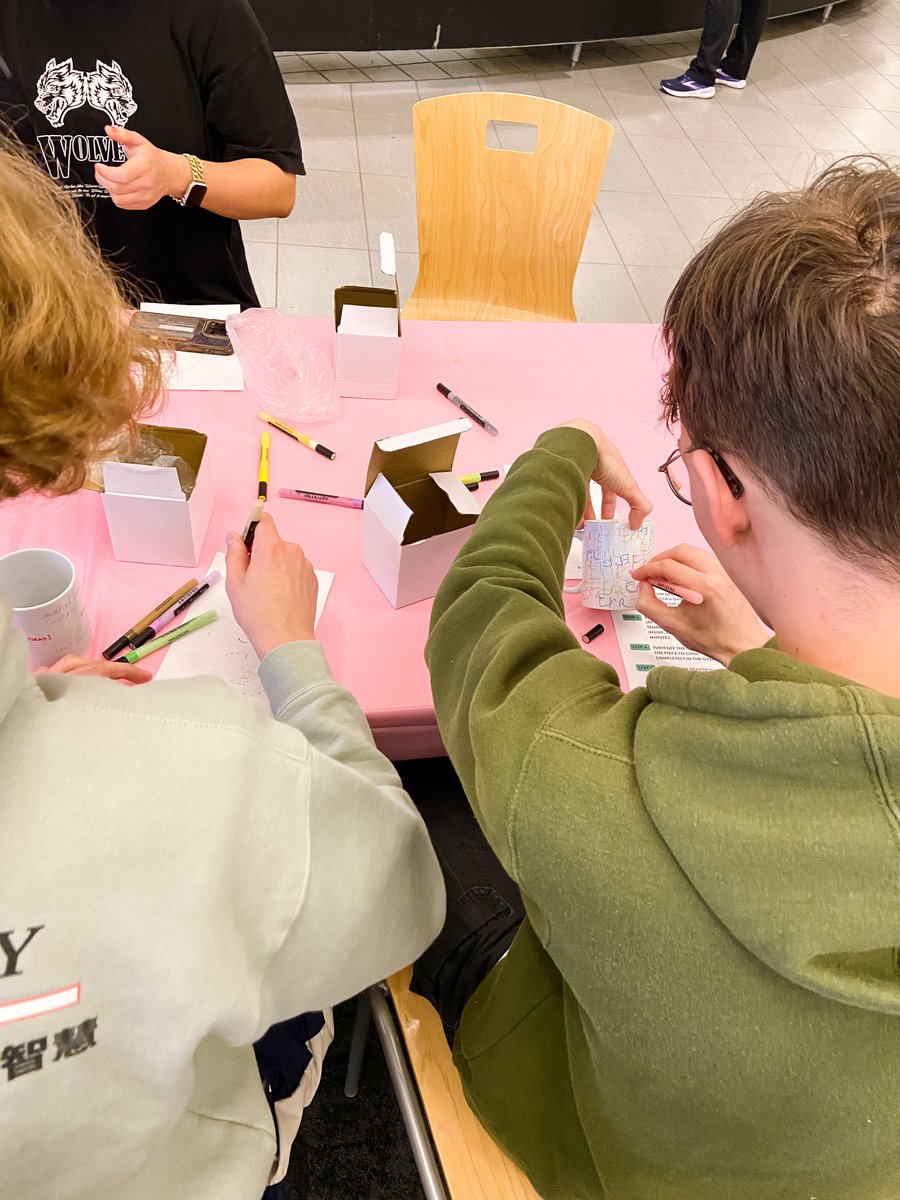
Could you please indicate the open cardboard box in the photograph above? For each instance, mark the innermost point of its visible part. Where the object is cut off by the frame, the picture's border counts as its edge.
(150, 520)
(367, 334)
(417, 514)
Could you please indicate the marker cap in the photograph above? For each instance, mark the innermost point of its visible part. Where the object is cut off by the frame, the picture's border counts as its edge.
(117, 647)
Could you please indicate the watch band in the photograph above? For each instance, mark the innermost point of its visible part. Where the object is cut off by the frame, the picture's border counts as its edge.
(196, 189)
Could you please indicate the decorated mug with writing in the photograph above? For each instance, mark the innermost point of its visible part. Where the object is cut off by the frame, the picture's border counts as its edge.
(47, 605)
(610, 550)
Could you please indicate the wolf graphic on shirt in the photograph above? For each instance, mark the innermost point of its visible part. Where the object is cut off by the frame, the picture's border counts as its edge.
(106, 88)
(60, 89)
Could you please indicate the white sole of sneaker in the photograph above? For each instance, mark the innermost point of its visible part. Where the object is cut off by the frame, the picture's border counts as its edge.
(699, 94)
(737, 84)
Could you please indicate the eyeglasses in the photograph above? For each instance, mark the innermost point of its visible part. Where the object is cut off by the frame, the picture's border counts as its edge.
(679, 480)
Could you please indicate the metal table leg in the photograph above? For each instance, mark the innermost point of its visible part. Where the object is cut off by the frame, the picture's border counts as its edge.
(407, 1097)
(826, 12)
(576, 54)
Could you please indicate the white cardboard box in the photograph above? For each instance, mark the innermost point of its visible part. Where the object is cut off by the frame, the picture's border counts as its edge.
(149, 518)
(367, 334)
(417, 514)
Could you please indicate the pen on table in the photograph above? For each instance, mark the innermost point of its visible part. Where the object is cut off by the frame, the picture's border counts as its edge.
(252, 521)
(479, 477)
(175, 610)
(263, 465)
(173, 635)
(127, 639)
(470, 412)
(297, 436)
(319, 498)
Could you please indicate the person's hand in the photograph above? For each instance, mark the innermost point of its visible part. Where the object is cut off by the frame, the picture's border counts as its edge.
(614, 478)
(713, 618)
(71, 664)
(147, 176)
(273, 593)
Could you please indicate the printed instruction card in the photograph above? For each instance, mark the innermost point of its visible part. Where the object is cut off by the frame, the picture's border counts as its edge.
(645, 645)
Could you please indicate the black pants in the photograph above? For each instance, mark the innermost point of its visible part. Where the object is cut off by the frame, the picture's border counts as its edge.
(718, 23)
(484, 907)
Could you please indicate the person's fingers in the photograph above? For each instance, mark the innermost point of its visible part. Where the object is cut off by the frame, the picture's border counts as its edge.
(236, 558)
(639, 509)
(128, 138)
(693, 556)
(68, 662)
(127, 672)
(649, 605)
(673, 571)
(608, 503)
(126, 173)
(687, 594)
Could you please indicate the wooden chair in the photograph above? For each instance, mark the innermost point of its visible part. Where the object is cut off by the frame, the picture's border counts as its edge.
(501, 231)
(439, 1124)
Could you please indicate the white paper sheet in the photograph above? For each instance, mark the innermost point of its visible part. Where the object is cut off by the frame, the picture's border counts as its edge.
(201, 372)
(645, 645)
(222, 648)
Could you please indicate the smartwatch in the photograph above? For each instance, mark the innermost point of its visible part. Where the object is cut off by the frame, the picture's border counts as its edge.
(196, 189)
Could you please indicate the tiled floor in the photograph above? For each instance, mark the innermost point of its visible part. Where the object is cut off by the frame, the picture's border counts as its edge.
(676, 169)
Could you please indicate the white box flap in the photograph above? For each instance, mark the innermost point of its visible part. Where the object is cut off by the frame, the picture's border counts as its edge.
(404, 440)
(141, 479)
(388, 257)
(459, 495)
(372, 322)
(391, 510)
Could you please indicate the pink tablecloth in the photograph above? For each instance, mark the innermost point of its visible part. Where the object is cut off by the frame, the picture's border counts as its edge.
(524, 378)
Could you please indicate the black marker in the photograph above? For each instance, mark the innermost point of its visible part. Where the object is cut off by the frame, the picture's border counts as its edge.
(470, 412)
(252, 521)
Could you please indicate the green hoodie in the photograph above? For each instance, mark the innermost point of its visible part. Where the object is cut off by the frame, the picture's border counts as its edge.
(703, 1002)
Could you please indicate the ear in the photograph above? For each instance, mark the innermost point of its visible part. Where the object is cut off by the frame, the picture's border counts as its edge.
(729, 517)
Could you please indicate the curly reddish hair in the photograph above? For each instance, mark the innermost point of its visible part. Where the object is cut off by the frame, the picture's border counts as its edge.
(74, 375)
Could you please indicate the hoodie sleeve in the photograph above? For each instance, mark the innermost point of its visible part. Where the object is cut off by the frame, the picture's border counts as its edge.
(501, 656)
(373, 896)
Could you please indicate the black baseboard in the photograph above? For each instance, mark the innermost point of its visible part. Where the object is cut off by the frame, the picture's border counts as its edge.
(421, 24)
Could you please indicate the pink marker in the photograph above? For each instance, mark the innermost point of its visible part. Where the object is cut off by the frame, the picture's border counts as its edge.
(176, 609)
(676, 589)
(320, 498)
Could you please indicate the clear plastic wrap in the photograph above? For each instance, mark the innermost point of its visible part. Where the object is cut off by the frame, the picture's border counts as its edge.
(288, 377)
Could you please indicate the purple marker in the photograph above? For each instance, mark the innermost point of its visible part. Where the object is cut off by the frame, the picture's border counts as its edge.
(176, 610)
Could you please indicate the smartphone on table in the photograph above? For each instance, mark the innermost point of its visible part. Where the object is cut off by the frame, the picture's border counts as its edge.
(199, 335)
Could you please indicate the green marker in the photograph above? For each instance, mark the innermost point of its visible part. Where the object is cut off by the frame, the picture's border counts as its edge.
(173, 635)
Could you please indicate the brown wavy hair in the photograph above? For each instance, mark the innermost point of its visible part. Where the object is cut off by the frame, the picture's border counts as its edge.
(73, 373)
(784, 340)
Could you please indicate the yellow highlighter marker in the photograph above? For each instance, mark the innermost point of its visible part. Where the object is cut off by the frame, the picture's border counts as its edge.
(263, 465)
(311, 443)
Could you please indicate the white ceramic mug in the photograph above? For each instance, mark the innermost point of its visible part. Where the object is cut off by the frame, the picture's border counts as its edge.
(47, 604)
(610, 552)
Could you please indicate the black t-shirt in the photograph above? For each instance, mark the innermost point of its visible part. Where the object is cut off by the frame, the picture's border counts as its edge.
(193, 76)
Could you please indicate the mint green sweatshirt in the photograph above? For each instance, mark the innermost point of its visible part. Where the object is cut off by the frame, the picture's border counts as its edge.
(703, 1002)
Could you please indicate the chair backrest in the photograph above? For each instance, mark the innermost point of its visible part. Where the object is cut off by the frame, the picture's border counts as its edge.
(501, 231)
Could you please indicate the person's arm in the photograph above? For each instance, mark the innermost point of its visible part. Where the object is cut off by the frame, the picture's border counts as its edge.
(501, 657)
(245, 189)
(252, 154)
(373, 897)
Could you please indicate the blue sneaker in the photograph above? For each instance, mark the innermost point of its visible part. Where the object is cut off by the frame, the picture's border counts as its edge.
(686, 85)
(729, 80)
